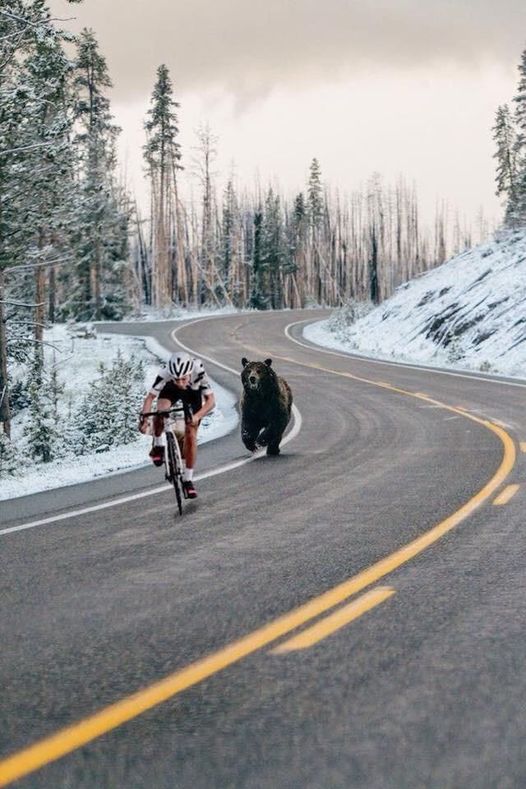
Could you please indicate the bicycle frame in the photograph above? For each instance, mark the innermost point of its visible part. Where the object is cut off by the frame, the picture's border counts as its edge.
(173, 460)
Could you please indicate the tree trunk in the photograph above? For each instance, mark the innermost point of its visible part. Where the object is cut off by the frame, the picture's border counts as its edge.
(97, 276)
(40, 294)
(5, 415)
(52, 296)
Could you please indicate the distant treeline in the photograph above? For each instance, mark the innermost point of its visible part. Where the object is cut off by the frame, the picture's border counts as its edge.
(74, 246)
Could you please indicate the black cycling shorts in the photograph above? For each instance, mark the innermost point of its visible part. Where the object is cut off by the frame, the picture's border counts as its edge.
(190, 397)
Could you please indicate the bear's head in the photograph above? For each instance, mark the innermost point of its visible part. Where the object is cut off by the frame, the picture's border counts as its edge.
(256, 376)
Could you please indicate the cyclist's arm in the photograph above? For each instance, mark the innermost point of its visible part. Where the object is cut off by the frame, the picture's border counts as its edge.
(148, 402)
(209, 402)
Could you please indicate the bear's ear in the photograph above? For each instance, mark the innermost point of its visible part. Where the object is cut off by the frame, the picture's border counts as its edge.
(244, 361)
(268, 362)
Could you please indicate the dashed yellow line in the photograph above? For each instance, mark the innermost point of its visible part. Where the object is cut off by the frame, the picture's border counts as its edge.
(343, 616)
(507, 494)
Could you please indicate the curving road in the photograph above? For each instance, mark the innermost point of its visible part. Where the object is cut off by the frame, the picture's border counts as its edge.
(349, 614)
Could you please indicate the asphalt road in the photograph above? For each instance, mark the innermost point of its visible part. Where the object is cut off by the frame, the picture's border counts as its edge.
(402, 662)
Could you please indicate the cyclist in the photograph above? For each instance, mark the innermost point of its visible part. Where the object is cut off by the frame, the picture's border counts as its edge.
(184, 378)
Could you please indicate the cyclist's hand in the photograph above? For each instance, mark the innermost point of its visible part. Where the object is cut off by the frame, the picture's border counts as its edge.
(143, 424)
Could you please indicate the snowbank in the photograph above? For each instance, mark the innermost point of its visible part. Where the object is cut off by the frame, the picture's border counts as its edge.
(77, 359)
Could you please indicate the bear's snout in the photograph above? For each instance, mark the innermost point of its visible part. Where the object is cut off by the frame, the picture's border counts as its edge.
(253, 380)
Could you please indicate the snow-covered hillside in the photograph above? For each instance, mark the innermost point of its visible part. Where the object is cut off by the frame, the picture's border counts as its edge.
(468, 313)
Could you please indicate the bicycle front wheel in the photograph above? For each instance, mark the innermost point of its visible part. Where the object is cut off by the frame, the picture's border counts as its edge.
(175, 467)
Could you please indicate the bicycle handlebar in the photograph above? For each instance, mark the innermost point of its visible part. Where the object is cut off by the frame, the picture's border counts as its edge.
(167, 412)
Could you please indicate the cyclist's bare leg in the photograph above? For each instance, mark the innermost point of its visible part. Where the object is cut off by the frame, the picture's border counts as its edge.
(163, 404)
(190, 445)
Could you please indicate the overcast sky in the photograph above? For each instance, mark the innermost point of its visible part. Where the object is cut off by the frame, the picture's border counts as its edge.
(396, 86)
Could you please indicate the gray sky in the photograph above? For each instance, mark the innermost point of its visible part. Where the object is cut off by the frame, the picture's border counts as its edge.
(397, 86)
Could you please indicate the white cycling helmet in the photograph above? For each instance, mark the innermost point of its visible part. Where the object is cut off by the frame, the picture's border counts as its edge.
(180, 364)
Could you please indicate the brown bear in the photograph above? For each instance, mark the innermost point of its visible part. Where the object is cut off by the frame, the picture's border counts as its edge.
(266, 404)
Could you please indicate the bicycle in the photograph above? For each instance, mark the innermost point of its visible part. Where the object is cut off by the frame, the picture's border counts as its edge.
(173, 459)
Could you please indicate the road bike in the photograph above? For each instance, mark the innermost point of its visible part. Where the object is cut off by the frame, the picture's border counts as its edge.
(173, 459)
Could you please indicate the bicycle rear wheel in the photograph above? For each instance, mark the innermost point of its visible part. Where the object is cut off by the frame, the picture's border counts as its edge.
(175, 469)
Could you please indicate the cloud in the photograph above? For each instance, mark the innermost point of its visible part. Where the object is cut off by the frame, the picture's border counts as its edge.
(248, 48)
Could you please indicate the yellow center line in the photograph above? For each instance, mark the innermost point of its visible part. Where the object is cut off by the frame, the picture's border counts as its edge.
(333, 622)
(74, 736)
(507, 494)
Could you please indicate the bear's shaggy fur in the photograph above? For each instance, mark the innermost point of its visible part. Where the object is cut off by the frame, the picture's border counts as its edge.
(266, 404)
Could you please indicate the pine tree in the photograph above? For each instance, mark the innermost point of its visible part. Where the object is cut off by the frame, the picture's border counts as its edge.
(272, 251)
(9, 460)
(315, 195)
(505, 138)
(258, 296)
(41, 431)
(162, 154)
(34, 152)
(519, 207)
(49, 187)
(298, 249)
(107, 416)
(230, 262)
(315, 204)
(103, 213)
(127, 377)
(375, 232)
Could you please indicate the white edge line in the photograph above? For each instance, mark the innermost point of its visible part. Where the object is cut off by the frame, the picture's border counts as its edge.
(368, 359)
(154, 491)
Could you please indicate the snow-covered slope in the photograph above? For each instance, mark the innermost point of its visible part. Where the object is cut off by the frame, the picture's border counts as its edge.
(468, 313)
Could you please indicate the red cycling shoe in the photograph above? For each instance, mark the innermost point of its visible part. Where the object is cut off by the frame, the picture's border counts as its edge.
(189, 489)
(157, 455)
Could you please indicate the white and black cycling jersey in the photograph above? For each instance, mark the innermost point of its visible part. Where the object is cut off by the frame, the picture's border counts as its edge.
(198, 379)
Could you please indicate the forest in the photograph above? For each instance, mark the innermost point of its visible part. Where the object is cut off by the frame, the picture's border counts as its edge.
(76, 246)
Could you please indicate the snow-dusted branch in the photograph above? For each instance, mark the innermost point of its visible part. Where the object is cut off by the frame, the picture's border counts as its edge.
(30, 323)
(31, 266)
(29, 23)
(20, 303)
(25, 340)
(45, 144)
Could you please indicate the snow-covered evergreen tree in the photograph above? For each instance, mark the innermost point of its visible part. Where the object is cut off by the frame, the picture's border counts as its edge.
(102, 214)
(315, 195)
(298, 241)
(273, 250)
(505, 138)
(9, 460)
(230, 254)
(35, 155)
(519, 208)
(108, 413)
(93, 419)
(128, 384)
(41, 431)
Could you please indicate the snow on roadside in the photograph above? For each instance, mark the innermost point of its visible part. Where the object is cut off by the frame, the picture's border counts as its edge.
(469, 313)
(77, 360)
